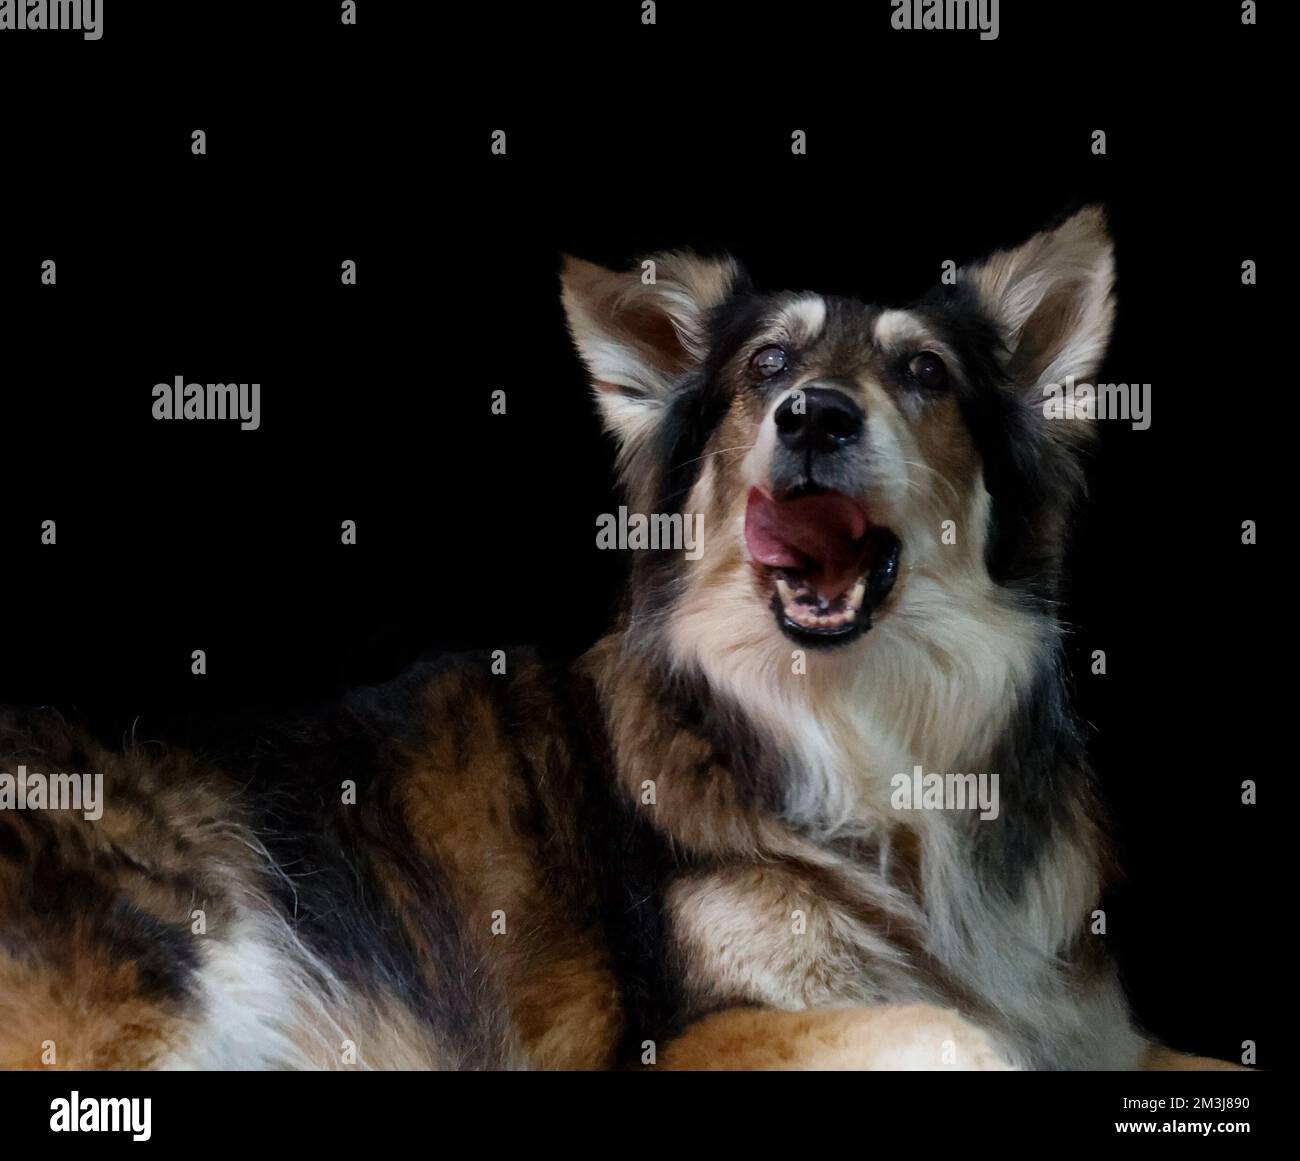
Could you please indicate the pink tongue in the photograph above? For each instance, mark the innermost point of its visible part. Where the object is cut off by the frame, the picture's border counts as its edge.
(817, 534)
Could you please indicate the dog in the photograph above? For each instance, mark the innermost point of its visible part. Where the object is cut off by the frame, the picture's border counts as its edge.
(688, 849)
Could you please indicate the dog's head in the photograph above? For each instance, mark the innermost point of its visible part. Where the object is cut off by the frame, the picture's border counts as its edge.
(852, 464)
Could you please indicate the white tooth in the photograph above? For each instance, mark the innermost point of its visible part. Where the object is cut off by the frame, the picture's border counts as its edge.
(858, 592)
(784, 591)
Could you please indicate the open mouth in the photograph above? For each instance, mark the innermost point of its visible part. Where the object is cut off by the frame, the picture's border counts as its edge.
(828, 565)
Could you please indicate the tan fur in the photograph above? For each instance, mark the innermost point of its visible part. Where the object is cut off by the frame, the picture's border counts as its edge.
(1158, 1059)
(862, 1039)
(770, 933)
(888, 1038)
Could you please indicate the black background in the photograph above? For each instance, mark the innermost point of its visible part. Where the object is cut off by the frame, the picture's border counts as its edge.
(371, 143)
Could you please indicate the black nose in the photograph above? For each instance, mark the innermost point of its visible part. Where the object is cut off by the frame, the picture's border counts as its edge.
(820, 418)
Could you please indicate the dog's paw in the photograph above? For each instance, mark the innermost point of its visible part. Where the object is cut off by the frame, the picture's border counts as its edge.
(1157, 1058)
(919, 1037)
(891, 1038)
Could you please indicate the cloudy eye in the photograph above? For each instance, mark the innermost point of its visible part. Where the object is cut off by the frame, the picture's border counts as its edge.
(768, 362)
(928, 370)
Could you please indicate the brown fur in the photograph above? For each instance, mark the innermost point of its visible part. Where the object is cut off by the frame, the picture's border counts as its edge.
(504, 833)
(160, 847)
(476, 814)
(89, 1010)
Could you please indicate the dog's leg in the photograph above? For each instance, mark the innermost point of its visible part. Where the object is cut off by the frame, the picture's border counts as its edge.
(1159, 1059)
(896, 1037)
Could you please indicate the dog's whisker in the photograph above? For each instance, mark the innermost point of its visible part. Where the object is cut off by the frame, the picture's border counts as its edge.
(947, 483)
(718, 452)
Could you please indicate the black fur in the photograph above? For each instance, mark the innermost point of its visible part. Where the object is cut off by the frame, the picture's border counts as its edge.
(1032, 480)
(632, 866)
(327, 850)
(1042, 773)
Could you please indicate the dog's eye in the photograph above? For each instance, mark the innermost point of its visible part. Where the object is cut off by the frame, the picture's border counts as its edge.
(768, 362)
(928, 370)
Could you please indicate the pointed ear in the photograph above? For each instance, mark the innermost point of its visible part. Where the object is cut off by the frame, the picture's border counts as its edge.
(638, 332)
(1051, 300)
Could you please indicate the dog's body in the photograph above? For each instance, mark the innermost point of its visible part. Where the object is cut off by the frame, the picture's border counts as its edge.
(569, 866)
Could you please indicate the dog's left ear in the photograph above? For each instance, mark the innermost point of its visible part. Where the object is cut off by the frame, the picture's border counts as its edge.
(640, 331)
(1051, 300)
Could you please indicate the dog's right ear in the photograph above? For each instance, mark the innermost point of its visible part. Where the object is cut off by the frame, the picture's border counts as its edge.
(639, 332)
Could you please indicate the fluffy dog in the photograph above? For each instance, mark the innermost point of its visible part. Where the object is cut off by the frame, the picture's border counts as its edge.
(736, 833)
